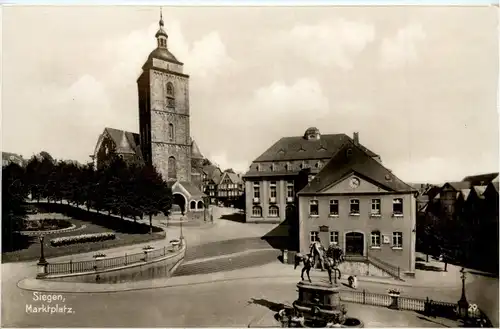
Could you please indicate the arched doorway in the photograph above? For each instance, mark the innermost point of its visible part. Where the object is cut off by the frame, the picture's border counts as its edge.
(180, 202)
(354, 243)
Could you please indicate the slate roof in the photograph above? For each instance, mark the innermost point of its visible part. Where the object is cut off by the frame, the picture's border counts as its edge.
(122, 137)
(192, 189)
(483, 179)
(458, 186)
(130, 143)
(299, 148)
(213, 173)
(359, 162)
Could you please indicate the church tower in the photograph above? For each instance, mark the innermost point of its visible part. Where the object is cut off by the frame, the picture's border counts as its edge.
(164, 112)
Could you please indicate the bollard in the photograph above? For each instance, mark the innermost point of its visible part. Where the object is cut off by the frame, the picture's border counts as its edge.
(285, 256)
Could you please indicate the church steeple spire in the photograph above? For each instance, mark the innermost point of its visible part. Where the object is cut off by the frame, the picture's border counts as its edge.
(161, 35)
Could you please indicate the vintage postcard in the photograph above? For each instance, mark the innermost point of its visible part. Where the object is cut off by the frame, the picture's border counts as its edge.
(250, 165)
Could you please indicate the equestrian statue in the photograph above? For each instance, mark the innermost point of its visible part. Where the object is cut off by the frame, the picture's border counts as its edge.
(328, 259)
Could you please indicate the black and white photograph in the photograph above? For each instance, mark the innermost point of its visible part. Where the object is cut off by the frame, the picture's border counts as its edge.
(250, 165)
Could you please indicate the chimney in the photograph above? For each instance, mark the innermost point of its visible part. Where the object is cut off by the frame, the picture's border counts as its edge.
(355, 138)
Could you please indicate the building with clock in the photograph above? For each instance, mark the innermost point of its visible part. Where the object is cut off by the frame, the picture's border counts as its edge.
(164, 128)
(357, 203)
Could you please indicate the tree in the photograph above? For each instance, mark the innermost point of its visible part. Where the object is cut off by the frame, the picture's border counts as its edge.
(155, 195)
(14, 194)
(230, 170)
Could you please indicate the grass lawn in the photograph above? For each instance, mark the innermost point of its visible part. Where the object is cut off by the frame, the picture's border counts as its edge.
(127, 233)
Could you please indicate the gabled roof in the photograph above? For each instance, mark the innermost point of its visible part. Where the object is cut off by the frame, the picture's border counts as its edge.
(299, 148)
(212, 172)
(235, 178)
(192, 189)
(457, 186)
(126, 142)
(358, 161)
(483, 179)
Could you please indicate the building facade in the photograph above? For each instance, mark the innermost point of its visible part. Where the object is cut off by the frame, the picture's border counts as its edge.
(361, 206)
(164, 128)
(230, 188)
(273, 180)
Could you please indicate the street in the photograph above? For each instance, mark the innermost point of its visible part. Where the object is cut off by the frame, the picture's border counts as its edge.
(219, 303)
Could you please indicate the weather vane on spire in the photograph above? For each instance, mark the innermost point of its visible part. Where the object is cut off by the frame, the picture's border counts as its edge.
(161, 17)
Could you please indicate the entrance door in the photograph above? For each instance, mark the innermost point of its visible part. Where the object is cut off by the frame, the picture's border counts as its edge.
(354, 243)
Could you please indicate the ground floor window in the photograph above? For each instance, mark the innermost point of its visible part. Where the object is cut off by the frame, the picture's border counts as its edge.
(200, 204)
(192, 205)
(257, 211)
(314, 236)
(273, 211)
(334, 237)
(375, 237)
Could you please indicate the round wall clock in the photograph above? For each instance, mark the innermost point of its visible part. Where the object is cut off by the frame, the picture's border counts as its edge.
(354, 182)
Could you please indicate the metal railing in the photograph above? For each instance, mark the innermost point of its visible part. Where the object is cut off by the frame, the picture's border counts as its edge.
(107, 263)
(394, 271)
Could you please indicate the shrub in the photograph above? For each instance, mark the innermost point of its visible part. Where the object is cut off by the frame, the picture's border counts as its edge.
(83, 238)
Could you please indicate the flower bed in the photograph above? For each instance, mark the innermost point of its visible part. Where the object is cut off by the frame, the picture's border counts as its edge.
(84, 238)
(45, 224)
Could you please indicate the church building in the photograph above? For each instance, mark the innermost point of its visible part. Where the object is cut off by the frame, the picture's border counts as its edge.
(164, 128)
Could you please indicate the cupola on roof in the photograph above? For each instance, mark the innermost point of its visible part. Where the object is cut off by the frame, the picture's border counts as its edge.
(161, 51)
(312, 133)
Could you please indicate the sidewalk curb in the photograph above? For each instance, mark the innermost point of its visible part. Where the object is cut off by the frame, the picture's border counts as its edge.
(39, 285)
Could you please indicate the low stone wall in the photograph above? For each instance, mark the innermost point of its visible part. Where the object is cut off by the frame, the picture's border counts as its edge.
(362, 269)
(157, 268)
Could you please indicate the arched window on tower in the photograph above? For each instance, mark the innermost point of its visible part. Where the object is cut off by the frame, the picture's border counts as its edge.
(170, 95)
(170, 89)
(172, 168)
(170, 131)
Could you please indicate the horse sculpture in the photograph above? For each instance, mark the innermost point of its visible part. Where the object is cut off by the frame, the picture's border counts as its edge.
(329, 259)
(308, 264)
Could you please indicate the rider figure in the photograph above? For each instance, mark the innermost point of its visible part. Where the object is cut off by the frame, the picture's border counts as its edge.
(317, 255)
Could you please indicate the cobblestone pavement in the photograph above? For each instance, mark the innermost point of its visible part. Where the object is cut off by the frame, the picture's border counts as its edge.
(224, 304)
(229, 263)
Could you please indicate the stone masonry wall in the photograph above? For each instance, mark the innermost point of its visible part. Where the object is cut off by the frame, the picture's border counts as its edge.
(162, 115)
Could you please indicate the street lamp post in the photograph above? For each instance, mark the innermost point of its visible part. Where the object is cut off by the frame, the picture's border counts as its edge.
(42, 262)
(463, 305)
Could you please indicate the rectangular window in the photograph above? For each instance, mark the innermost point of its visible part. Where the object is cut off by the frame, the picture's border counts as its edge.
(334, 237)
(397, 240)
(272, 188)
(334, 207)
(313, 208)
(375, 207)
(314, 236)
(397, 207)
(289, 190)
(256, 190)
(354, 210)
(375, 237)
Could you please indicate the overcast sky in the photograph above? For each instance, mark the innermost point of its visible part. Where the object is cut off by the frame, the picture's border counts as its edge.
(418, 83)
